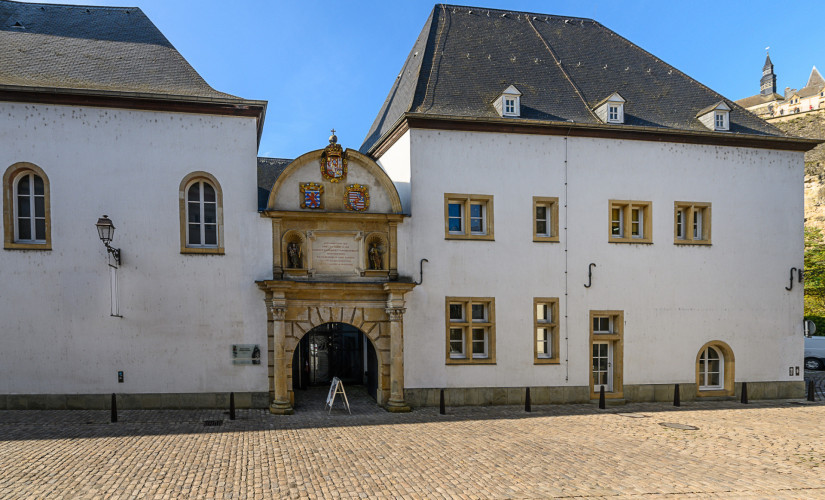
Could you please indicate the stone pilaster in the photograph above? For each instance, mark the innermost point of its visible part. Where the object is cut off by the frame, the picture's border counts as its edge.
(280, 404)
(396, 402)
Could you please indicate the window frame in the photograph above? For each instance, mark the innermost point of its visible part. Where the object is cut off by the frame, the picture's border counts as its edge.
(626, 209)
(552, 221)
(465, 202)
(11, 178)
(724, 116)
(186, 183)
(616, 337)
(467, 325)
(552, 326)
(689, 208)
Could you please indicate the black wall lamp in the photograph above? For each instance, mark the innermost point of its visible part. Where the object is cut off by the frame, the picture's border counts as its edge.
(106, 231)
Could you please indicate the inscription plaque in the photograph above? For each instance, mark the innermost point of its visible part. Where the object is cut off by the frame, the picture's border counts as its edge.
(335, 254)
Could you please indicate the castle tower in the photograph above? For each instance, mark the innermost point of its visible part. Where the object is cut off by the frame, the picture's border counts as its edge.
(768, 82)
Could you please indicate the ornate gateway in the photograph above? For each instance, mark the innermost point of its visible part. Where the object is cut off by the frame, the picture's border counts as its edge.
(311, 195)
(333, 162)
(357, 198)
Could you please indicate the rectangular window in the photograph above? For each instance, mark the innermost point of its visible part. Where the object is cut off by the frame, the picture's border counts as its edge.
(545, 326)
(470, 330)
(612, 113)
(545, 219)
(691, 223)
(468, 216)
(509, 106)
(630, 221)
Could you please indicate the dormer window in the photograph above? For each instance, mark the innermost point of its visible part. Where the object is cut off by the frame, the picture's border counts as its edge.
(611, 110)
(509, 105)
(509, 102)
(716, 117)
(721, 120)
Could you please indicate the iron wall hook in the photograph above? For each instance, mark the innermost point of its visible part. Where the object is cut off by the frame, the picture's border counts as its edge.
(421, 272)
(590, 275)
(790, 285)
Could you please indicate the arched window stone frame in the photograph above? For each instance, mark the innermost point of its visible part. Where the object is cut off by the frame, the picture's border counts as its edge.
(10, 178)
(728, 364)
(185, 184)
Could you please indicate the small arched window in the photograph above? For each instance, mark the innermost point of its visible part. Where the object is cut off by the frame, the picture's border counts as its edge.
(714, 370)
(201, 214)
(26, 208)
(711, 369)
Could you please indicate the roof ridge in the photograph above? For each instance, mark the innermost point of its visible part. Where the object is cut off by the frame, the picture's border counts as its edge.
(561, 68)
(537, 14)
(432, 64)
(99, 7)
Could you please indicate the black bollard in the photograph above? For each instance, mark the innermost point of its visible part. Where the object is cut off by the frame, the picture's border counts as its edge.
(676, 400)
(441, 404)
(811, 391)
(527, 400)
(114, 408)
(744, 393)
(601, 398)
(231, 406)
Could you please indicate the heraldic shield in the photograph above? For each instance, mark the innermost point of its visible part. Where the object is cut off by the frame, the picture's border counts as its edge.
(357, 198)
(333, 162)
(311, 195)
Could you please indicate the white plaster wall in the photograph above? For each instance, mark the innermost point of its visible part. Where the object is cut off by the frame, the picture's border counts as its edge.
(396, 162)
(675, 298)
(181, 313)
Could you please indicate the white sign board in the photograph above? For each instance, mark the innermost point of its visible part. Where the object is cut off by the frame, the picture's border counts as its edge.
(335, 388)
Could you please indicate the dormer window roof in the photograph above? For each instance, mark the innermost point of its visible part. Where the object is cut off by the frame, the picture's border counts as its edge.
(611, 109)
(716, 117)
(509, 102)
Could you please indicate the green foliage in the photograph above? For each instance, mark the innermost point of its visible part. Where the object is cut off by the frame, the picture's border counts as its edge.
(815, 278)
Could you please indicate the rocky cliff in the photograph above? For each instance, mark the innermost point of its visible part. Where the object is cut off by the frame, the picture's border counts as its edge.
(812, 125)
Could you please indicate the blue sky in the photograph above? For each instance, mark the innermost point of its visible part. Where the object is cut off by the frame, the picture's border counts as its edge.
(324, 64)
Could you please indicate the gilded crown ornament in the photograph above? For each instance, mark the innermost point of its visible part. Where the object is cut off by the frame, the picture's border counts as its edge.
(333, 160)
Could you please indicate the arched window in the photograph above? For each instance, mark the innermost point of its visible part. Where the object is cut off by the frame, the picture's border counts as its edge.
(714, 370)
(26, 208)
(201, 214)
(711, 369)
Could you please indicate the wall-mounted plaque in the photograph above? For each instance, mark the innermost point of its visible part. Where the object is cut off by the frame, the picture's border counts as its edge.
(246, 354)
(336, 252)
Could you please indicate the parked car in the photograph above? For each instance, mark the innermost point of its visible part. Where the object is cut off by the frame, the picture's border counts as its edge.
(815, 353)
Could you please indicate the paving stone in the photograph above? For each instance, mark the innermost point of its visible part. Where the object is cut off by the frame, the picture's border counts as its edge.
(766, 449)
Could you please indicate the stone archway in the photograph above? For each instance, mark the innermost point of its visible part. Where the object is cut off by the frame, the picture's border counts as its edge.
(377, 309)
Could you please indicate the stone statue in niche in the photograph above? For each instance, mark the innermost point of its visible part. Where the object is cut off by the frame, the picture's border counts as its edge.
(376, 254)
(293, 252)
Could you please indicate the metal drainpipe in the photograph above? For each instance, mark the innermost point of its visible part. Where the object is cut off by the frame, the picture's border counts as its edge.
(566, 297)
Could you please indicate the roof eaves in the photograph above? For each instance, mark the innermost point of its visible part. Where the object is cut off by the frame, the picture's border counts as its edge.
(777, 139)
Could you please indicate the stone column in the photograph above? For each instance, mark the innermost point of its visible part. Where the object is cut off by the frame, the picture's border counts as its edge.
(396, 403)
(281, 404)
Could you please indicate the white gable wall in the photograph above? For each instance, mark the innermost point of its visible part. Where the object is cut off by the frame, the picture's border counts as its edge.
(181, 313)
(675, 298)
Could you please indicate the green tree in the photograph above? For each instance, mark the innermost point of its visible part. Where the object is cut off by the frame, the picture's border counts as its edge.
(815, 278)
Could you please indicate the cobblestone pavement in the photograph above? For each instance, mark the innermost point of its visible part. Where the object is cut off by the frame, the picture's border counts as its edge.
(761, 450)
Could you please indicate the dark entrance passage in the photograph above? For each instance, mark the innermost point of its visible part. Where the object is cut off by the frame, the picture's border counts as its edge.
(335, 350)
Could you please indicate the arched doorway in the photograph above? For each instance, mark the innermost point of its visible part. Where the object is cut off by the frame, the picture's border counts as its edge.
(335, 350)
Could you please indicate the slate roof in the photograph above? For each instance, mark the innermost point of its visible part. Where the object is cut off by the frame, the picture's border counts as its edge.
(754, 100)
(466, 56)
(269, 169)
(109, 49)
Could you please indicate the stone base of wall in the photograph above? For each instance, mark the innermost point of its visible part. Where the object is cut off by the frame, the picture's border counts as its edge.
(485, 396)
(173, 401)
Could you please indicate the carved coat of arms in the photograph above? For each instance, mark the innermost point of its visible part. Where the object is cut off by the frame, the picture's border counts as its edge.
(357, 198)
(311, 195)
(333, 162)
